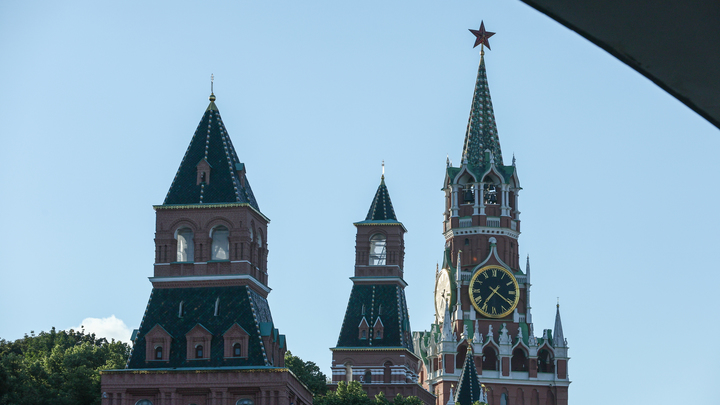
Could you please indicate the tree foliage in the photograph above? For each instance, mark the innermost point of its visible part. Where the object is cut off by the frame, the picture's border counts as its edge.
(308, 373)
(353, 394)
(57, 368)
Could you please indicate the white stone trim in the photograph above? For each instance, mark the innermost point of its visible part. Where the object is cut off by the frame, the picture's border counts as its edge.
(210, 278)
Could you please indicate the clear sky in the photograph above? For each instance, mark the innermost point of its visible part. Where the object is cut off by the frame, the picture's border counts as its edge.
(99, 100)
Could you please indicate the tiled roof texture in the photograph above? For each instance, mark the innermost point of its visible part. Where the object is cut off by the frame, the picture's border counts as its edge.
(237, 304)
(381, 208)
(481, 130)
(468, 390)
(212, 143)
(394, 317)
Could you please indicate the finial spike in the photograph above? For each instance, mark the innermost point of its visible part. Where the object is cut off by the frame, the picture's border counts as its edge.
(558, 302)
(383, 168)
(212, 95)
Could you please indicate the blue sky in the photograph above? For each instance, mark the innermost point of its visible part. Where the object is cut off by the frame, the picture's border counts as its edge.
(99, 100)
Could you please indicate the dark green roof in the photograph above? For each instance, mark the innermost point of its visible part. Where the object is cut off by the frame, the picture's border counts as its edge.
(237, 304)
(468, 390)
(227, 180)
(381, 208)
(481, 131)
(394, 317)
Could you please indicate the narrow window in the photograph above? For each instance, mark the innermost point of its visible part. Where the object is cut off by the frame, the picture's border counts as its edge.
(504, 399)
(490, 194)
(185, 245)
(158, 353)
(198, 352)
(181, 309)
(377, 250)
(378, 335)
(220, 243)
(237, 350)
(217, 306)
(367, 378)
(363, 334)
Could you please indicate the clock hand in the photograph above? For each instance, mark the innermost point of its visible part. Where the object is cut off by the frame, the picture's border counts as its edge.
(491, 294)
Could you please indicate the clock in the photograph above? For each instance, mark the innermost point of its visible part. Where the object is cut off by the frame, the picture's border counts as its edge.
(494, 291)
(443, 292)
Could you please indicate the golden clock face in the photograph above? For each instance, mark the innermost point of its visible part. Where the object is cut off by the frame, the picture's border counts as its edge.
(494, 292)
(443, 292)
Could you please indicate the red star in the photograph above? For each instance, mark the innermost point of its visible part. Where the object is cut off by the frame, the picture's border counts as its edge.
(482, 36)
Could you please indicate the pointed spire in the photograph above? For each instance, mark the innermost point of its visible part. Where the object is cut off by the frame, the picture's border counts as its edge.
(210, 171)
(558, 336)
(381, 208)
(528, 316)
(481, 131)
(469, 389)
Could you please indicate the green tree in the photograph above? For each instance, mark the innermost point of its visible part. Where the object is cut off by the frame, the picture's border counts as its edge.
(345, 394)
(308, 373)
(57, 367)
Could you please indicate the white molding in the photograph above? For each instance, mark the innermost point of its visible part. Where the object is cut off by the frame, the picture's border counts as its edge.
(481, 230)
(380, 279)
(210, 278)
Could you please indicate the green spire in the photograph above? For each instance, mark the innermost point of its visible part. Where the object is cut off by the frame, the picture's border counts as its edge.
(210, 172)
(381, 208)
(469, 389)
(481, 129)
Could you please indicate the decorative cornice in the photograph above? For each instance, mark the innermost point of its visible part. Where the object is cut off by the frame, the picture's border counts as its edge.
(383, 280)
(209, 205)
(176, 279)
(251, 369)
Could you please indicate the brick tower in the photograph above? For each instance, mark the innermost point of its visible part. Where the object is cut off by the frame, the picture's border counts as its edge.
(482, 295)
(375, 344)
(207, 336)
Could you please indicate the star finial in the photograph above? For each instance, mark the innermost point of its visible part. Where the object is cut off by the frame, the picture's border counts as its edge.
(482, 36)
(383, 169)
(212, 79)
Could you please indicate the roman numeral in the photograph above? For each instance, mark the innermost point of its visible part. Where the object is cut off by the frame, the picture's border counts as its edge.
(486, 274)
(511, 292)
(509, 283)
(503, 308)
(476, 290)
(484, 308)
(494, 311)
(478, 299)
(494, 272)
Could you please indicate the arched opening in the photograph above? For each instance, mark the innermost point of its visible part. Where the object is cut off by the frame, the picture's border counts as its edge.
(220, 249)
(377, 250)
(237, 350)
(468, 194)
(348, 372)
(550, 398)
(460, 356)
(185, 245)
(199, 352)
(387, 372)
(490, 195)
(490, 360)
(519, 361)
(144, 402)
(503, 399)
(158, 353)
(367, 378)
(244, 401)
(546, 363)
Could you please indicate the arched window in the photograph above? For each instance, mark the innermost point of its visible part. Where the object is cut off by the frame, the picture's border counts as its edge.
(244, 401)
(220, 243)
(144, 402)
(199, 352)
(237, 350)
(504, 399)
(490, 193)
(159, 353)
(490, 361)
(519, 361)
(185, 245)
(387, 374)
(546, 364)
(377, 250)
(367, 378)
